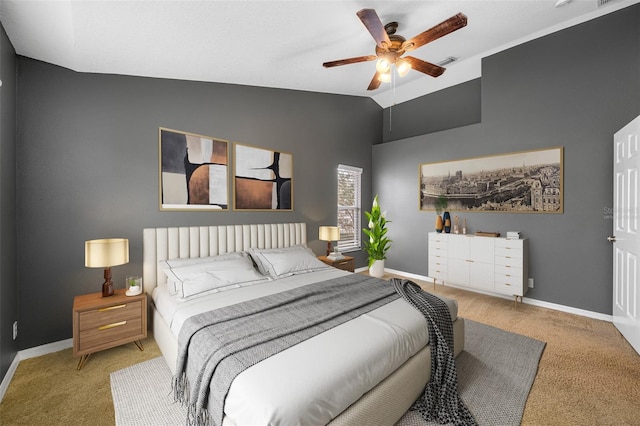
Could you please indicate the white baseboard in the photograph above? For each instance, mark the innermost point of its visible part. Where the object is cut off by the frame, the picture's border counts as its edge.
(527, 300)
(7, 377)
(31, 353)
(49, 348)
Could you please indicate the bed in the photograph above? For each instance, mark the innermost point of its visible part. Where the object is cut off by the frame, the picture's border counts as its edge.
(357, 384)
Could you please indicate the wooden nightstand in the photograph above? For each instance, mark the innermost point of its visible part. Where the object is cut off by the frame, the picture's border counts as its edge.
(101, 323)
(346, 264)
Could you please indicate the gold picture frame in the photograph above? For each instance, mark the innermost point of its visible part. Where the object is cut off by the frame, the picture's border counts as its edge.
(194, 171)
(262, 179)
(517, 182)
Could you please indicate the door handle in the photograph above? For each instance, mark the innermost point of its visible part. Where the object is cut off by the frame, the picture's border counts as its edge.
(611, 239)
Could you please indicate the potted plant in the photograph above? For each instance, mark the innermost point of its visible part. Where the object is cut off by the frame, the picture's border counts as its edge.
(377, 244)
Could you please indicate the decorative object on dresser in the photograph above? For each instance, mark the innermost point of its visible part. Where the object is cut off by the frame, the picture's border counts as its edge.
(330, 234)
(483, 263)
(105, 253)
(346, 263)
(446, 218)
(377, 244)
(440, 205)
(100, 323)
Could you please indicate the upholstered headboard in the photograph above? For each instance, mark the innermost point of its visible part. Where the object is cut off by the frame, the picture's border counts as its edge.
(202, 241)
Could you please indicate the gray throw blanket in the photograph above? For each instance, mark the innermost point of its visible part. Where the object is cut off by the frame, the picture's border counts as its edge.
(440, 401)
(215, 346)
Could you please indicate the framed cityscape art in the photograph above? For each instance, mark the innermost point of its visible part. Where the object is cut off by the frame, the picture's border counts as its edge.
(194, 171)
(518, 182)
(262, 180)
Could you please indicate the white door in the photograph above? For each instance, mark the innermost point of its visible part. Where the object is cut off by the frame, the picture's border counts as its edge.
(626, 232)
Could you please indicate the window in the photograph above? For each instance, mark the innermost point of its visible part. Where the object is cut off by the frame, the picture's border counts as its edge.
(349, 184)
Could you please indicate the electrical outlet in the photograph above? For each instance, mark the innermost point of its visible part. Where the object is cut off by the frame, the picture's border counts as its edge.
(530, 282)
(15, 330)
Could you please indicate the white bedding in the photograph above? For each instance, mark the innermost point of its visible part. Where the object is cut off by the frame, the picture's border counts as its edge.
(316, 380)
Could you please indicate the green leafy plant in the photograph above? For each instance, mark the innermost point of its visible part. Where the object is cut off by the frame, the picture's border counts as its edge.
(441, 204)
(378, 244)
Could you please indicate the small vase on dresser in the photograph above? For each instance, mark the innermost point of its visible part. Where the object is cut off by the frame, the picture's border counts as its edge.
(446, 218)
(439, 223)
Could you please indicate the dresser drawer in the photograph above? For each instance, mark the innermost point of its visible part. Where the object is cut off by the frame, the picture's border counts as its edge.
(508, 253)
(509, 261)
(509, 244)
(110, 314)
(508, 288)
(507, 270)
(437, 247)
(438, 267)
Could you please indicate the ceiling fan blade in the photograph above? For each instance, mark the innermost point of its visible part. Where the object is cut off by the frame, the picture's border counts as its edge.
(349, 61)
(442, 29)
(426, 67)
(370, 19)
(375, 82)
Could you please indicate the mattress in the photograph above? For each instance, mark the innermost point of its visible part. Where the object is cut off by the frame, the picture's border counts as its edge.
(314, 381)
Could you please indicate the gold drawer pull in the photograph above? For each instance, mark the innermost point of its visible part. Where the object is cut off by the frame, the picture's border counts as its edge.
(112, 307)
(115, 324)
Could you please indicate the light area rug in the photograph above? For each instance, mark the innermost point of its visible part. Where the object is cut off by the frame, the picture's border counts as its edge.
(495, 374)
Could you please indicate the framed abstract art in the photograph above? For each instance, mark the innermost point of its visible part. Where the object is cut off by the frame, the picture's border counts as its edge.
(262, 179)
(194, 171)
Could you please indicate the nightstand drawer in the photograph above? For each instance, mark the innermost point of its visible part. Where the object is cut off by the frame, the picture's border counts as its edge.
(346, 264)
(110, 334)
(110, 314)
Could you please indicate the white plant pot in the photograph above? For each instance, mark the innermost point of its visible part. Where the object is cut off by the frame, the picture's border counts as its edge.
(377, 269)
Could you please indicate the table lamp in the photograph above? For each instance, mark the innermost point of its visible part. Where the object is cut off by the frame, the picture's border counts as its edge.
(106, 253)
(329, 234)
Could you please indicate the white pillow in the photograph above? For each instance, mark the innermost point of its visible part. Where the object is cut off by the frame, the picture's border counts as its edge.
(219, 280)
(283, 262)
(188, 277)
(176, 263)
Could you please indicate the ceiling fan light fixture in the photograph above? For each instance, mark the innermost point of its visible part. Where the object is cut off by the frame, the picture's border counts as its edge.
(403, 66)
(383, 65)
(385, 77)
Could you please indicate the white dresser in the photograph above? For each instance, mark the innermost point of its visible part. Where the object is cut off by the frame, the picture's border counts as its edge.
(488, 264)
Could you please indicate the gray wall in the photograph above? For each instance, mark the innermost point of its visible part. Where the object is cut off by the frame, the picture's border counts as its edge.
(88, 168)
(575, 89)
(445, 109)
(8, 268)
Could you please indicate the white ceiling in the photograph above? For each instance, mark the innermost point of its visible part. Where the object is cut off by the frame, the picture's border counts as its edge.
(279, 44)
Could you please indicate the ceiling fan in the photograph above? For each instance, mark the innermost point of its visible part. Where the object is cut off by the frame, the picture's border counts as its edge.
(390, 47)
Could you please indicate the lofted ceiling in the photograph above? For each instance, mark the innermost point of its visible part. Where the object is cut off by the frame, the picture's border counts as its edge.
(278, 44)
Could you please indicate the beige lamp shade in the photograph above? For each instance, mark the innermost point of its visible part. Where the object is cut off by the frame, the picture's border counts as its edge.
(329, 233)
(106, 252)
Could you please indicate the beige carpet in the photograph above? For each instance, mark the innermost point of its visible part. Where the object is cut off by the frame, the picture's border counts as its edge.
(588, 374)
